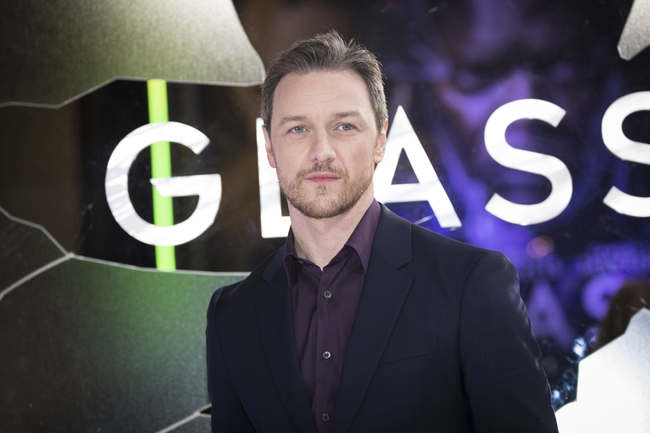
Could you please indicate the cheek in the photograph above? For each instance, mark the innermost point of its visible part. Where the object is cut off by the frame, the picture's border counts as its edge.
(362, 164)
(286, 166)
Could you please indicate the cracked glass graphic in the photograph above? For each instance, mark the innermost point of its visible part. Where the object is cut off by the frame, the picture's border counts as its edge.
(92, 345)
(529, 138)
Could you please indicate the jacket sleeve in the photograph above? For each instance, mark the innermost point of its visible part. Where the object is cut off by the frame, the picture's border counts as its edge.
(502, 368)
(228, 415)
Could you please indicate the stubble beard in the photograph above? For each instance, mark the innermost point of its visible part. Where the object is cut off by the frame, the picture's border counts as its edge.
(324, 203)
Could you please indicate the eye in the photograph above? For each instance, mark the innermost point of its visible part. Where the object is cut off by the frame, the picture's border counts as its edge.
(346, 127)
(297, 129)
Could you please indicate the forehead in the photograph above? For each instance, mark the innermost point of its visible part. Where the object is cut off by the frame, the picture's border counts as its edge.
(320, 93)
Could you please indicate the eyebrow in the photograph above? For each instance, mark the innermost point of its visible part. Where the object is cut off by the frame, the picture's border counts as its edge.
(339, 115)
(288, 119)
(344, 114)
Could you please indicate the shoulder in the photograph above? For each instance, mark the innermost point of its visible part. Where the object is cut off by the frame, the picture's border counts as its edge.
(426, 240)
(452, 251)
(232, 294)
(432, 247)
(394, 230)
(439, 258)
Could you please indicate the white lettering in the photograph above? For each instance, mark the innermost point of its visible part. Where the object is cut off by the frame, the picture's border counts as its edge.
(273, 224)
(627, 150)
(207, 186)
(402, 136)
(532, 162)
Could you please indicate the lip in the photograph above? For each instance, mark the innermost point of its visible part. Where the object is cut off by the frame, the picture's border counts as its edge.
(322, 177)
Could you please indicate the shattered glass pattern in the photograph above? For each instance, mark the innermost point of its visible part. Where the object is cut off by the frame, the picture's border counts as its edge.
(93, 346)
(636, 34)
(24, 248)
(199, 421)
(54, 52)
(613, 385)
(196, 425)
(565, 388)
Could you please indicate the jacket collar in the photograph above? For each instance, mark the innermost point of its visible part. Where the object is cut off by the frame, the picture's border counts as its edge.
(392, 241)
(276, 331)
(384, 293)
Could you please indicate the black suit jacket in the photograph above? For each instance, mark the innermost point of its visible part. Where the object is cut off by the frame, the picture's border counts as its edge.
(441, 342)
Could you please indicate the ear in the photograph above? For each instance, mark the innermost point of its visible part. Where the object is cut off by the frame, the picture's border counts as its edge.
(380, 150)
(269, 149)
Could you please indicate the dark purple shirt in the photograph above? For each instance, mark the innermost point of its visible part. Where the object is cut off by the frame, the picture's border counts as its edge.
(324, 305)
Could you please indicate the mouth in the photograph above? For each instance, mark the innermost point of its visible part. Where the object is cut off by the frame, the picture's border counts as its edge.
(322, 178)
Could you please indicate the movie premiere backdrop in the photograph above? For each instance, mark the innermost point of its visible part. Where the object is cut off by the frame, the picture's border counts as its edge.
(134, 183)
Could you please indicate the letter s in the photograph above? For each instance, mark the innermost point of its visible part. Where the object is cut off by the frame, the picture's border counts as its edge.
(627, 150)
(531, 162)
(206, 186)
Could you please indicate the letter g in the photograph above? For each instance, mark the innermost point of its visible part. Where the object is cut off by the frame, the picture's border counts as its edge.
(206, 186)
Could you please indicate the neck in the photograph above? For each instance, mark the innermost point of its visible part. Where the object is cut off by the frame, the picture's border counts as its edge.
(319, 240)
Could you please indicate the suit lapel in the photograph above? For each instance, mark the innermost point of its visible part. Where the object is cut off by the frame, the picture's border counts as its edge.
(275, 320)
(383, 295)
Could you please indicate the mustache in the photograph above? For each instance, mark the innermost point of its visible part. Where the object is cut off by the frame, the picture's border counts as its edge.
(322, 167)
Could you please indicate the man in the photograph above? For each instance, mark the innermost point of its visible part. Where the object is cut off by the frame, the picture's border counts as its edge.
(363, 322)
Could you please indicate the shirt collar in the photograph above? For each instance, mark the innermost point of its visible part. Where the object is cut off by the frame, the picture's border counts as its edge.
(360, 241)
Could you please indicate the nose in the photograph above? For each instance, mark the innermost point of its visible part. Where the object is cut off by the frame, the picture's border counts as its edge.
(322, 149)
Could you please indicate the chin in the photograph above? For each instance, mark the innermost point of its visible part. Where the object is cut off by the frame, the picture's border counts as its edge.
(324, 207)
(323, 211)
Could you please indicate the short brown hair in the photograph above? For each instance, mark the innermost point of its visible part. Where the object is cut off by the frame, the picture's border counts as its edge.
(326, 52)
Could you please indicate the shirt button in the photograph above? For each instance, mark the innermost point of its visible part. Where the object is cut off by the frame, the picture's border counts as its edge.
(325, 417)
(300, 262)
(327, 294)
(327, 355)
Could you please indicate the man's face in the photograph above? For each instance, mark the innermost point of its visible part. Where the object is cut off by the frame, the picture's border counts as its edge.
(324, 141)
(531, 57)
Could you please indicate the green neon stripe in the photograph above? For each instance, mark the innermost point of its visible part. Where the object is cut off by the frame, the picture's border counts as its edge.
(161, 166)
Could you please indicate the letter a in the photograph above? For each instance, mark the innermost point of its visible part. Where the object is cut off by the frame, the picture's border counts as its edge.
(402, 136)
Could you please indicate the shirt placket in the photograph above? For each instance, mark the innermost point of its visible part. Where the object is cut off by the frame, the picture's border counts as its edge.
(327, 350)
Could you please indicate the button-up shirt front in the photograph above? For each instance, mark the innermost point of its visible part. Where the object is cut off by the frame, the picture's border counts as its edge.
(324, 306)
